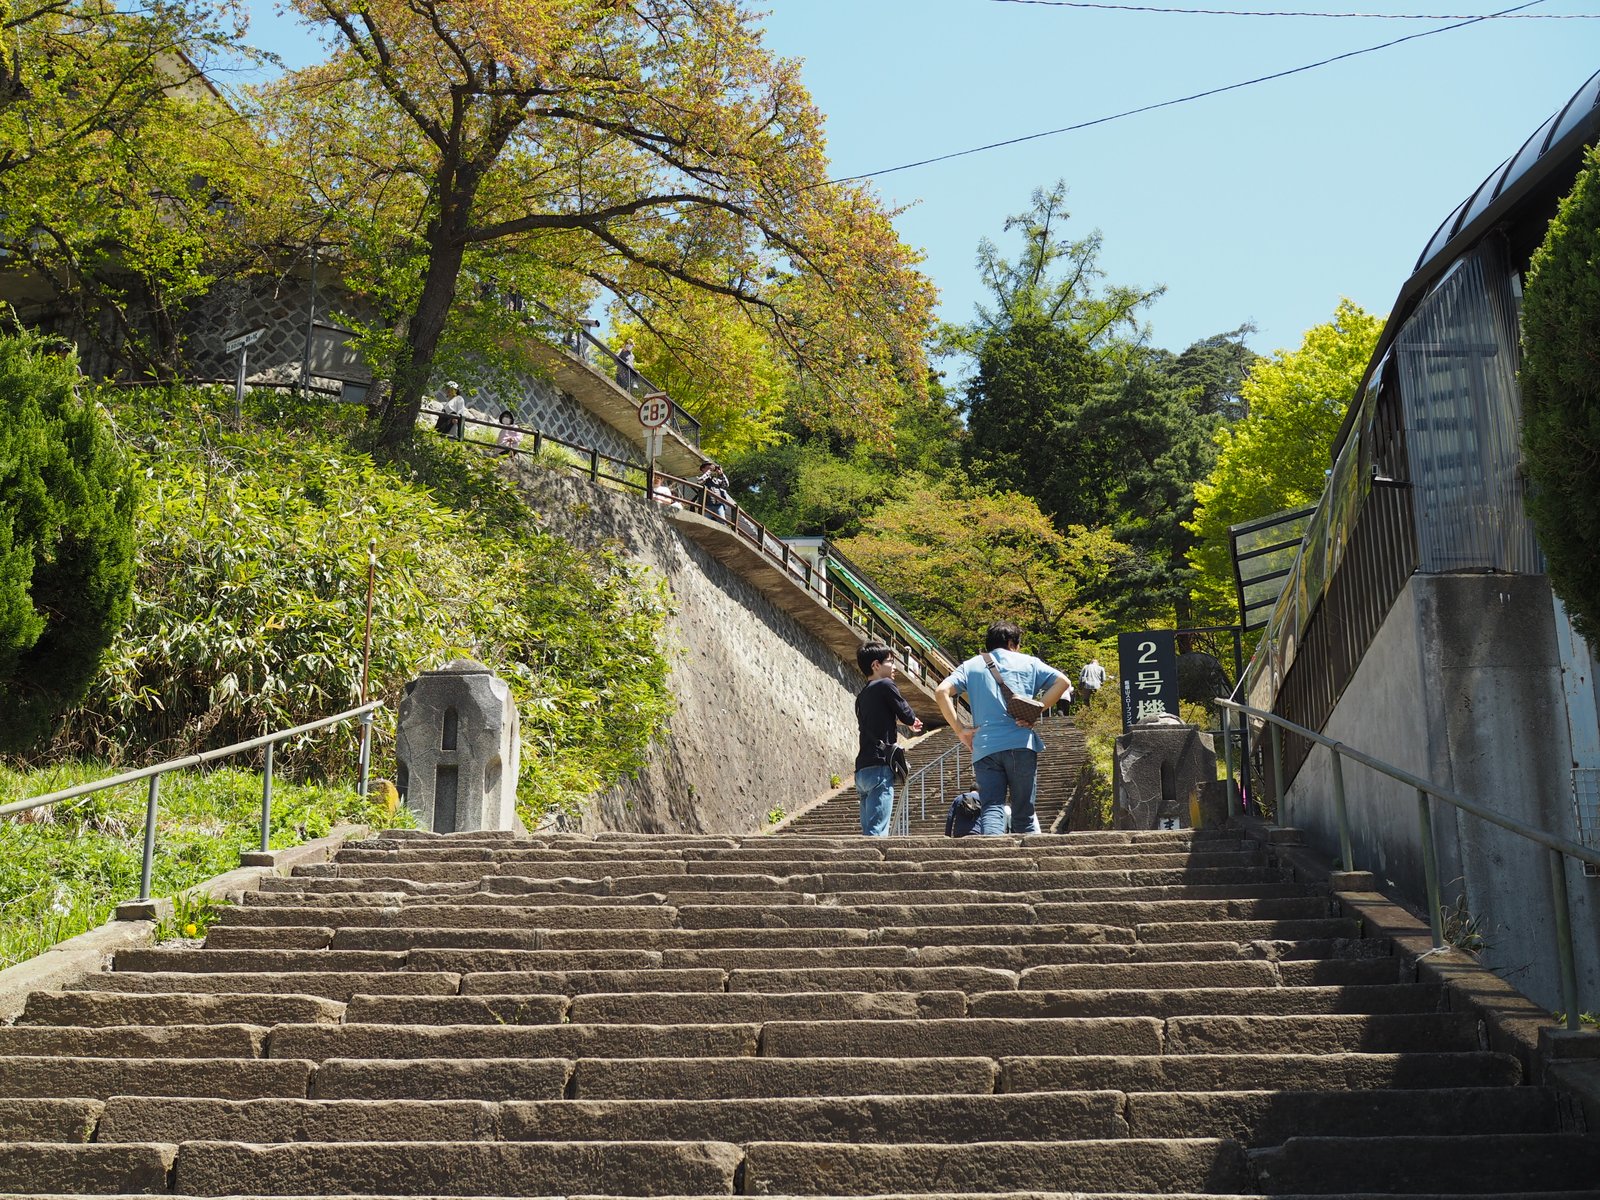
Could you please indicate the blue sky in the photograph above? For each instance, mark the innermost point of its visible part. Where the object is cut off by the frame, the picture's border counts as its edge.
(1265, 204)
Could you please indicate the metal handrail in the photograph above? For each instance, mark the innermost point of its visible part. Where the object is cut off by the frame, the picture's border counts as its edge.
(155, 772)
(900, 823)
(1559, 848)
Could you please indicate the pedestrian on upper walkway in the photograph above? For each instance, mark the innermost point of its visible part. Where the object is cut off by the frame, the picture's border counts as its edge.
(1005, 749)
(880, 711)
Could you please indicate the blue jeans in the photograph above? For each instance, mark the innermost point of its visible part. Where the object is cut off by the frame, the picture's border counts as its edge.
(875, 786)
(1015, 771)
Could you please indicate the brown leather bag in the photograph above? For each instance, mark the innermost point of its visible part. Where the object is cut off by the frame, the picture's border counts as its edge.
(1024, 708)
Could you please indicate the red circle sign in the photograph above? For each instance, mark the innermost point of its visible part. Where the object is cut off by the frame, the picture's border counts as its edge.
(655, 410)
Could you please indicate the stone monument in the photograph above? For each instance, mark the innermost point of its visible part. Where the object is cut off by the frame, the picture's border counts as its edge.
(457, 749)
(1161, 764)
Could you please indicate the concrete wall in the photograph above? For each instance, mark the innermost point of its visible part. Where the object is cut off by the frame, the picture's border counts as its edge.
(765, 711)
(1462, 686)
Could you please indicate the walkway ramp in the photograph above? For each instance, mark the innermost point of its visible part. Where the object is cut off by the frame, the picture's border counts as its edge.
(1100, 1015)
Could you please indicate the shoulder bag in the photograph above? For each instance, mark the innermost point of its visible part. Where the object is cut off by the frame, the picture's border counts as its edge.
(1024, 708)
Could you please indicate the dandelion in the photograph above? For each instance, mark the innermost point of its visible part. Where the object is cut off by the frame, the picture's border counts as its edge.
(191, 930)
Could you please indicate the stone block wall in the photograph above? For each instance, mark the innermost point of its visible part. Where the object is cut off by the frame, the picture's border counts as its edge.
(766, 712)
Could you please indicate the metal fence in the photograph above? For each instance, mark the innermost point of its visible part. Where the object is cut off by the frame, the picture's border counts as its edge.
(1559, 848)
(154, 774)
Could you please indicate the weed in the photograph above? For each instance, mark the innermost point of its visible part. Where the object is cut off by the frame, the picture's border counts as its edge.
(1462, 929)
(833, 781)
(774, 815)
(192, 914)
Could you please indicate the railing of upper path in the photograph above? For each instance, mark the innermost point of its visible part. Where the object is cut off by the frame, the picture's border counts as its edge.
(589, 350)
(154, 773)
(924, 665)
(1560, 849)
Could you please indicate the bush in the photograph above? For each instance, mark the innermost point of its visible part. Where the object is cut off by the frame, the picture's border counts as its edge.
(66, 539)
(1561, 398)
(250, 601)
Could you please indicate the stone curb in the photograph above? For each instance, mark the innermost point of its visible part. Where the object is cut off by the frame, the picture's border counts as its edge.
(75, 959)
(1509, 1022)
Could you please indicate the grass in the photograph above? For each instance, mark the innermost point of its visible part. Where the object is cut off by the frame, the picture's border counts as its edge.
(64, 869)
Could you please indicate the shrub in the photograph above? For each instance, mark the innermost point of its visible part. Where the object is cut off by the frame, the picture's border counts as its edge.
(1561, 397)
(66, 539)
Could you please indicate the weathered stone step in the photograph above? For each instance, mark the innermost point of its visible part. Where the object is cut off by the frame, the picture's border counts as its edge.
(319, 1042)
(1328, 1034)
(53, 1120)
(950, 1038)
(31, 1167)
(331, 985)
(580, 983)
(1343, 1071)
(941, 949)
(285, 898)
(1271, 1118)
(441, 1079)
(653, 1008)
(98, 1078)
(1250, 931)
(906, 1119)
(737, 1078)
(528, 939)
(182, 960)
(1175, 1165)
(1176, 1002)
(270, 937)
(97, 1009)
(1484, 1162)
(502, 961)
(135, 1041)
(494, 1169)
(871, 979)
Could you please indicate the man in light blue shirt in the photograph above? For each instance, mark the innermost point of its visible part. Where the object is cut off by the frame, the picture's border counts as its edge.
(1005, 751)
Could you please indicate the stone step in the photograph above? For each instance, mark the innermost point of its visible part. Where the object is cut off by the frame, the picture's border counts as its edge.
(1177, 1002)
(270, 937)
(737, 1078)
(441, 1079)
(703, 980)
(320, 1042)
(98, 1078)
(135, 1041)
(31, 1167)
(98, 1009)
(330, 985)
(997, 1037)
(653, 1008)
(493, 1169)
(503, 961)
(1484, 1162)
(1292, 1071)
(1172, 1165)
(1265, 1118)
(52, 1120)
(183, 959)
(872, 979)
(907, 1119)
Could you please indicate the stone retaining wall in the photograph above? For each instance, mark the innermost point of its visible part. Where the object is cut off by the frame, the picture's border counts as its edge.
(765, 711)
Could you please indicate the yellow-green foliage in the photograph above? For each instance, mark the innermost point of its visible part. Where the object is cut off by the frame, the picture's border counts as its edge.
(250, 600)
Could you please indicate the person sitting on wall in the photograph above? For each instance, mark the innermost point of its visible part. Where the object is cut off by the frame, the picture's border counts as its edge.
(452, 420)
(663, 494)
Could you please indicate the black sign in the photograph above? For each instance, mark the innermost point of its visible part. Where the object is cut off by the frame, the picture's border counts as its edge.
(1149, 674)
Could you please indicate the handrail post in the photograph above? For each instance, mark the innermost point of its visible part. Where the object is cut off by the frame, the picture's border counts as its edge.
(1563, 912)
(1430, 868)
(266, 798)
(1346, 854)
(148, 861)
(366, 753)
(1276, 737)
(594, 466)
(1227, 756)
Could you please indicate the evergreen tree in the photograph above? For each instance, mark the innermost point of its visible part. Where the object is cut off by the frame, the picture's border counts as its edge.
(66, 539)
(1561, 397)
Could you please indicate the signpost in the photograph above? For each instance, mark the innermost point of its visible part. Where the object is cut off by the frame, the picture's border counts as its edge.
(241, 342)
(655, 410)
(1148, 670)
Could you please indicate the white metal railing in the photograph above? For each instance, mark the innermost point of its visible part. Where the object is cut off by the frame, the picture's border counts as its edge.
(154, 774)
(946, 767)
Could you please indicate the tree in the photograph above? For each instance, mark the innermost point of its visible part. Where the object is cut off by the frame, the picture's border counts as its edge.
(1560, 383)
(120, 167)
(1278, 456)
(66, 539)
(649, 149)
(958, 559)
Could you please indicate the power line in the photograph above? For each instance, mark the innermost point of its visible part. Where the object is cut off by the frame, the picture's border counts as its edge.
(1144, 108)
(1363, 16)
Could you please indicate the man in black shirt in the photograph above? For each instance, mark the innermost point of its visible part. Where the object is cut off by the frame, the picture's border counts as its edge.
(880, 711)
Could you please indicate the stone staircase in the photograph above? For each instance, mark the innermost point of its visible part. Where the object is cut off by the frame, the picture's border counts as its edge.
(1108, 1015)
(1065, 752)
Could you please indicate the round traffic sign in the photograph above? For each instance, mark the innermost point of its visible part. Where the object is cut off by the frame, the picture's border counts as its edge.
(655, 410)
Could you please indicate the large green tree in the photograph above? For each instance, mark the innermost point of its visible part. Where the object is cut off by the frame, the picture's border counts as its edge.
(1561, 397)
(1278, 456)
(565, 148)
(66, 539)
(121, 168)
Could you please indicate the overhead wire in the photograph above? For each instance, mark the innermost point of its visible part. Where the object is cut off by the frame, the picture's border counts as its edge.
(1144, 108)
(1361, 16)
